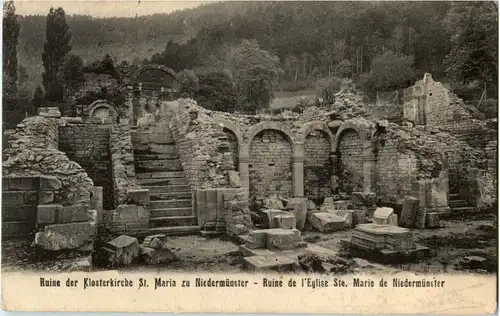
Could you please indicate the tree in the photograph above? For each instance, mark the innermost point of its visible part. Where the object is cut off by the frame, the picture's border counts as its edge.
(188, 83)
(10, 40)
(388, 72)
(474, 52)
(344, 69)
(72, 72)
(23, 75)
(327, 87)
(254, 71)
(216, 92)
(57, 46)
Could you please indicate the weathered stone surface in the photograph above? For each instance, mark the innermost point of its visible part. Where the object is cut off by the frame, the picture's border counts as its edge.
(359, 217)
(362, 198)
(269, 216)
(73, 213)
(420, 218)
(50, 183)
(285, 221)
(300, 212)
(432, 220)
(282, 239)
(47, 214)
(268, 263)
(274, 202)
(66, 236)
(130, 213)
(138, 196)
(347, 215)
(393, 220)
(234, 179)
(83, 264)
(126, 249)
(327, 222)
(96, 202)
(148, 240)
(236, 230)
(409, 212)
(381, 215)
(156, 256)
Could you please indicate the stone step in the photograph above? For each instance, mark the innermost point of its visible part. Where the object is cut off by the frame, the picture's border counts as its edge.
(163, 181)
(159, 165)
(464, 209)
(138, 156)
(142, 169)
(172, 188)
(173, 221)
(152, 148)
(169, 204)
(174, 231)
(454, 196)
(169, 196)
(168, 174)
(458, 203)
(168, 212)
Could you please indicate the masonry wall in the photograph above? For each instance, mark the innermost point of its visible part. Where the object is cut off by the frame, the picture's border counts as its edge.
(351, 162)
(270, 165)
(88, 145)
(395, 172)
(317, 170)
(233, 147)
(32, 150)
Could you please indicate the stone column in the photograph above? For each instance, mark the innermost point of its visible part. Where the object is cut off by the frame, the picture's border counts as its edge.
(369, 169)
(298, 170)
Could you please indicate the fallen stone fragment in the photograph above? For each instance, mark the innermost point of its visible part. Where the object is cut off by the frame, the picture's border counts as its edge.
(285, 221)
(381, 215)
(420, 218)
(409, 212)
(66, 236)
(281, 239)
(327, 222)
(156, 256)
(269, 215)
(234, 179)
(126, 249)
(149, 239)
(280, 263)
(432, 220)
(392, 220)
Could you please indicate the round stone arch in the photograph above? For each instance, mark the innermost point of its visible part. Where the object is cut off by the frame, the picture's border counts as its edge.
(316, 126)
(257, 128)
(344, 128)
(147, 67)
(235, 139)
(102, 104)
(232, 127)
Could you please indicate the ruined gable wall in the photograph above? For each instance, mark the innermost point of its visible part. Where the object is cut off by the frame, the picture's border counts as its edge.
(88, 145)
(317, 169)
(32, 150)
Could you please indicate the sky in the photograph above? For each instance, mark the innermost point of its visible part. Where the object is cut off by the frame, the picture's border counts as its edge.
(104, 8)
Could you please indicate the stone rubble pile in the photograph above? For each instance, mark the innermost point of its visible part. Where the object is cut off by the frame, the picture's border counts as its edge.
(125, 250)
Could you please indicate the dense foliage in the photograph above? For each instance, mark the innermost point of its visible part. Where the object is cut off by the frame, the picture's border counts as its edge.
(55, 50)
(382, 45)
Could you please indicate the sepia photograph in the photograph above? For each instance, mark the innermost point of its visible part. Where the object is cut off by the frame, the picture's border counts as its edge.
(323, 144)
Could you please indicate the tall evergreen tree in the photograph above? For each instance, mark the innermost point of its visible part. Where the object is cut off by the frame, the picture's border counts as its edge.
(57, 46)
(10, 40)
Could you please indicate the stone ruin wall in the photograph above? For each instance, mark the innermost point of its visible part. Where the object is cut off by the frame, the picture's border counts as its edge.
(89, 146)
(32, 150)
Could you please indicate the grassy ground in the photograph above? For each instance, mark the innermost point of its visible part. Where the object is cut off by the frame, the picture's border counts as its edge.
(287, 100)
